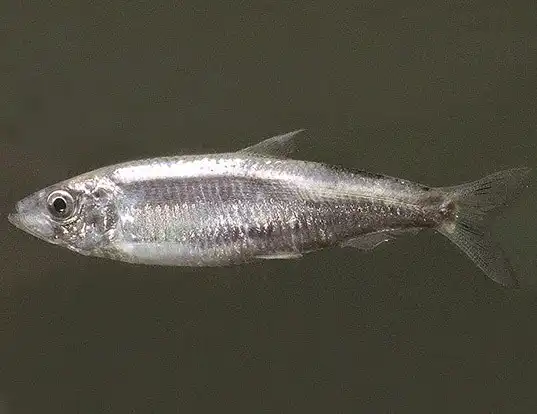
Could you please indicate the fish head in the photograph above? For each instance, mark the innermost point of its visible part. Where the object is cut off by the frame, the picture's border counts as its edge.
(79, 214)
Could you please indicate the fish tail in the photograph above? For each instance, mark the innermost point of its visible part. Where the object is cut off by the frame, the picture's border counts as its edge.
(474, 204)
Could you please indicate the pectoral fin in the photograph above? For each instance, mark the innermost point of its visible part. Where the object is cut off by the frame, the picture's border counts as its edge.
(280, 146)
(371, 240)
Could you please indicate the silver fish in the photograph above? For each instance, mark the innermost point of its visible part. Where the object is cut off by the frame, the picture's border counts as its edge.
(257, 203)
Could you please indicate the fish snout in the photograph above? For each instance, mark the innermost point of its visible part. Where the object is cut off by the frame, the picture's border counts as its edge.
(28, 218)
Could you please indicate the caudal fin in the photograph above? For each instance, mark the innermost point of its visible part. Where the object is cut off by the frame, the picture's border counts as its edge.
(476, 204)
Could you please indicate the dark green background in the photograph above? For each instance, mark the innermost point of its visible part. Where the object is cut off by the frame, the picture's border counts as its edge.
(436, 92)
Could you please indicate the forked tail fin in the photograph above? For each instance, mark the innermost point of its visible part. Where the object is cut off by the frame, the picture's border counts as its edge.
(476, 204)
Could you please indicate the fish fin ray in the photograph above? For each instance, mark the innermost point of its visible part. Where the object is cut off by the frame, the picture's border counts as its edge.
(369, 241)
(280, 146)
(280, 256)
(476, 202)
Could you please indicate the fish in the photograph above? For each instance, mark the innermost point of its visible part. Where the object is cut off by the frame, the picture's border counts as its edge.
(221, 209)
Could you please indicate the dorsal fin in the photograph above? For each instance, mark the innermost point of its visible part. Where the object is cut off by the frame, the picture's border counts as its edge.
(279, 146)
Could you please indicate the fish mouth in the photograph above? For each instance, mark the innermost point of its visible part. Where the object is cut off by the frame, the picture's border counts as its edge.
(32, 224)
(15, 219)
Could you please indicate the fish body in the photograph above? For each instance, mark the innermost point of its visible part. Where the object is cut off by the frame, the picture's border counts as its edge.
(231, 208)
(257, 203)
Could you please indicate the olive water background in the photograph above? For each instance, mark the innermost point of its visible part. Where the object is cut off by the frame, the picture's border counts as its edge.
(436, 92)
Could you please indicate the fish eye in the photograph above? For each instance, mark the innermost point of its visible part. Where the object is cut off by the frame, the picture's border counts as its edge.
(61, 204)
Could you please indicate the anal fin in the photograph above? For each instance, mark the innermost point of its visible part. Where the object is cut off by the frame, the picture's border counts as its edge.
(280, 256)
(371, 240)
